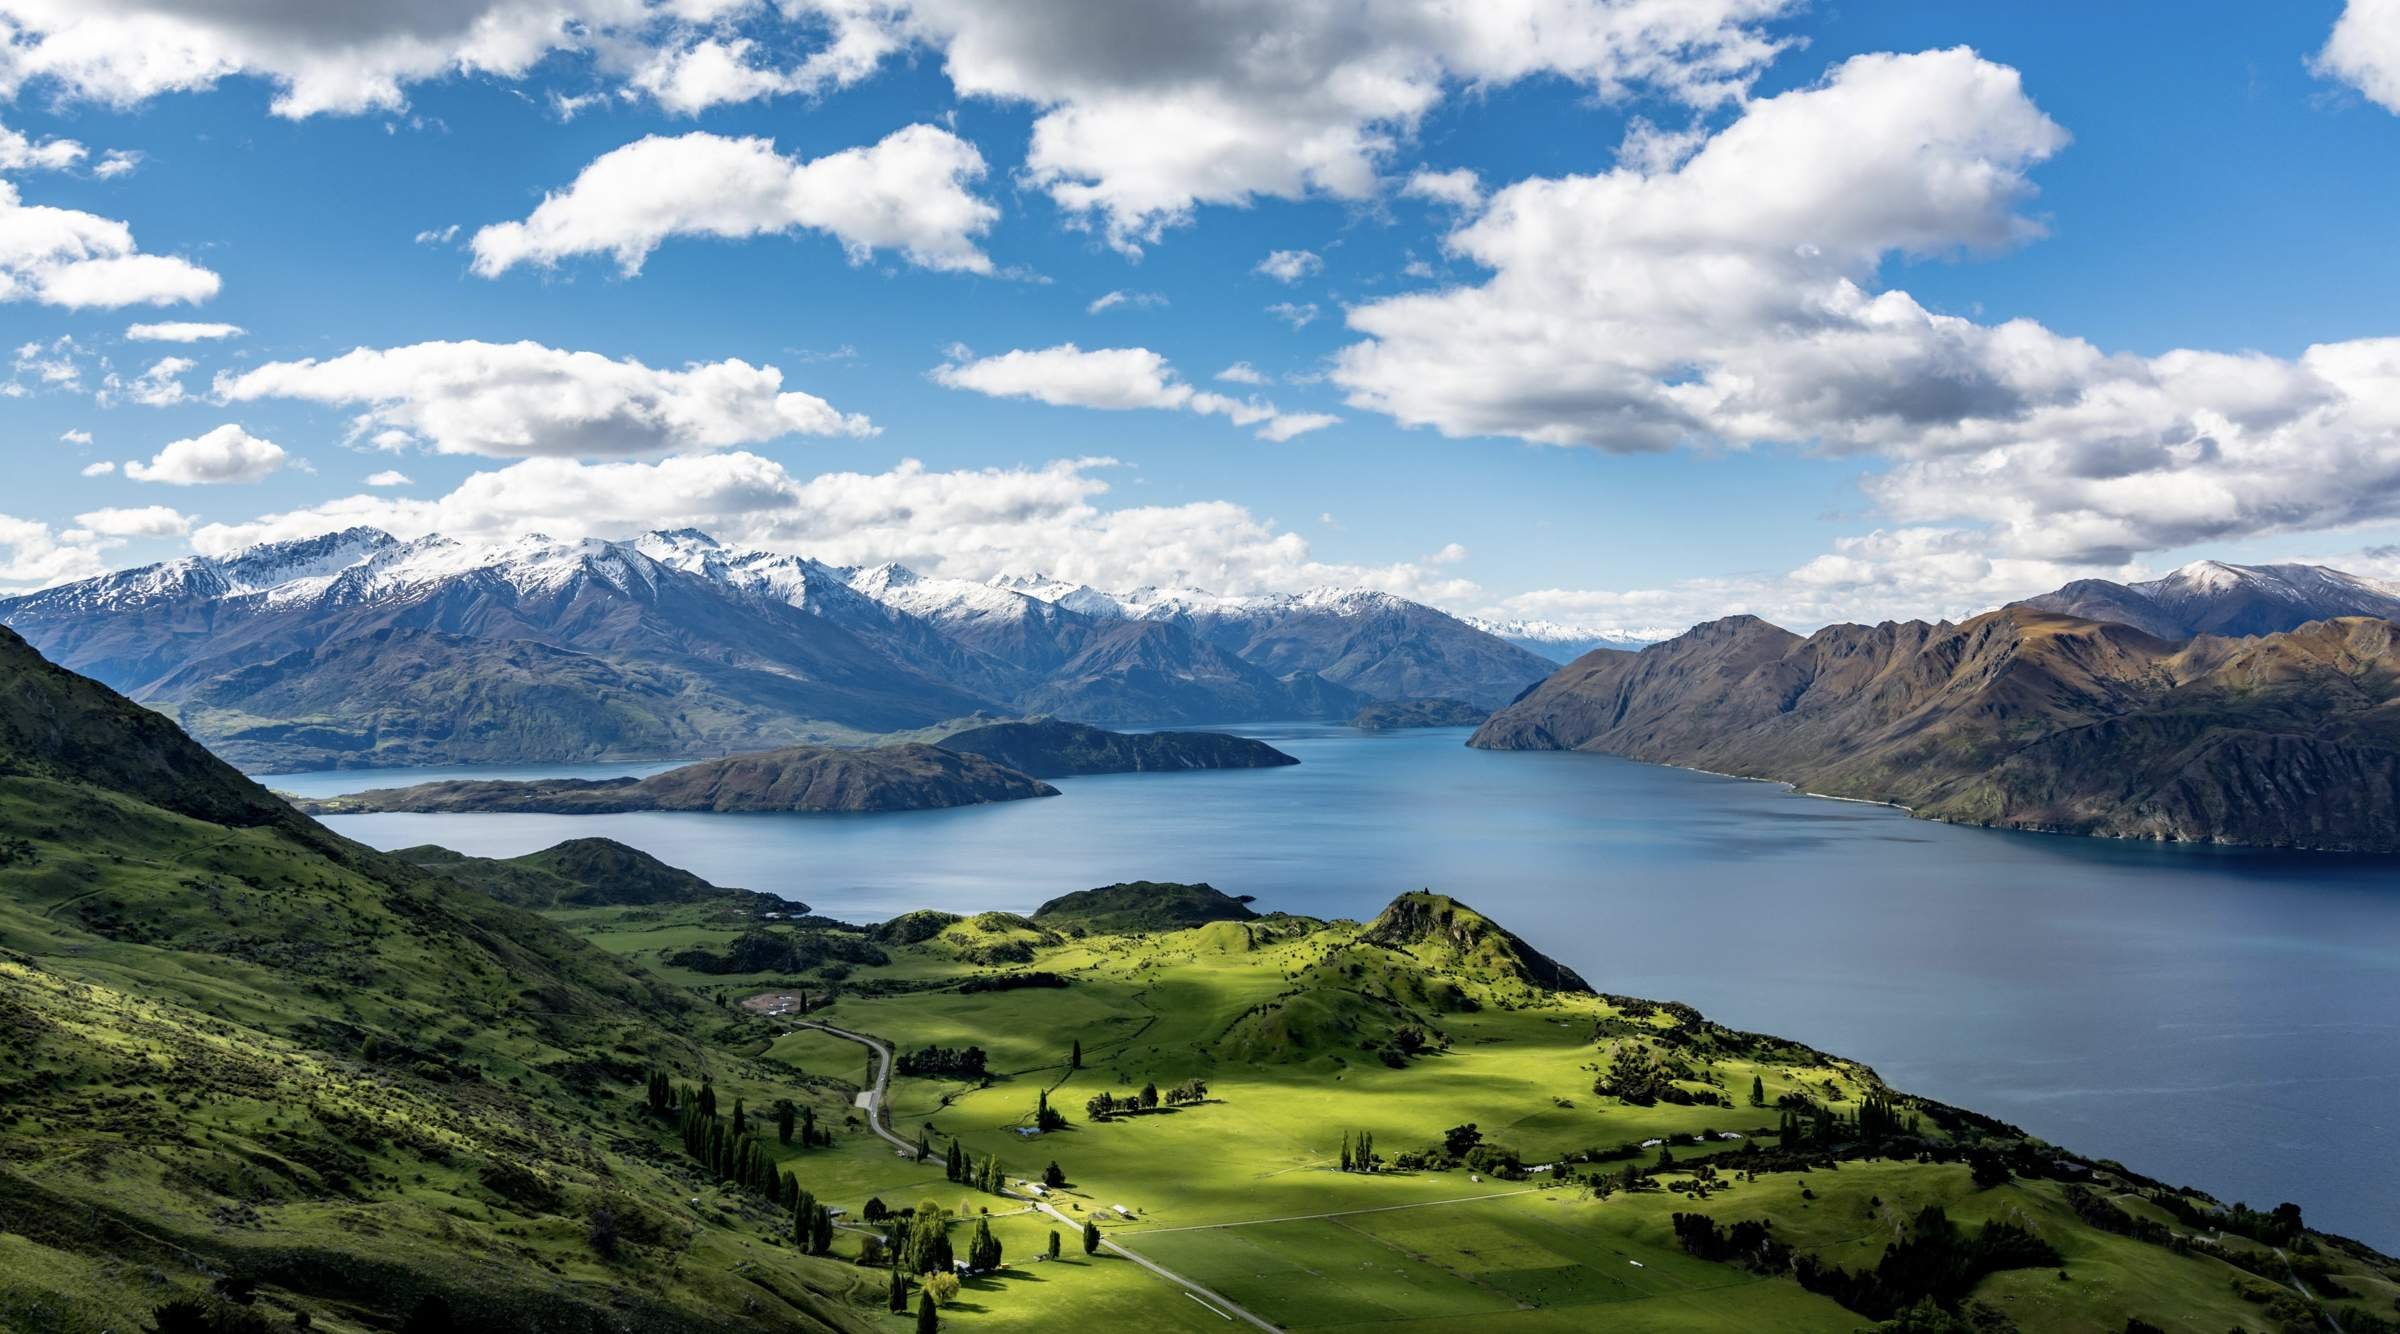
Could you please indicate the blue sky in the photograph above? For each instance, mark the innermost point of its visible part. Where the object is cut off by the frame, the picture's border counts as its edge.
(2201, 178)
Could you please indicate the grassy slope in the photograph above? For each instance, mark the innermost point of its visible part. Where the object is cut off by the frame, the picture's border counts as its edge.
(233, 1043)
(1240, 1192)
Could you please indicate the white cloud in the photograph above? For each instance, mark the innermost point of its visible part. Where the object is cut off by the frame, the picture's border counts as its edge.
(2364, 51)
(1299, 315)
(908, 193)
(520, 399)
(1146, 112)
(160, 386)
(100, 469)
(1115, 379)
(181, 331)
(1242, 372)
(1121, 298)
(32, 556)
(438, 235)
(120, 524)
(77, 437)
(389, 477)
(1733, 299)
(1289, 266)
(1458, 188)
(116, 162)
(21, 153)
(66, 257)
(969, 524)
(225, 454)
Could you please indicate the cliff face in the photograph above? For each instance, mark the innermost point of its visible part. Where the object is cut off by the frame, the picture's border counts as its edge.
(799, 778)
(2019, 717)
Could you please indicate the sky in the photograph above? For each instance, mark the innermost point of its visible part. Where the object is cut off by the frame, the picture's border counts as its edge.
(1624, 314)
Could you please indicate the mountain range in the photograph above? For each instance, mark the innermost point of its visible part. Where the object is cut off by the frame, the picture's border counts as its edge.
(355, 648)
(2209, 597)
(2020, 717)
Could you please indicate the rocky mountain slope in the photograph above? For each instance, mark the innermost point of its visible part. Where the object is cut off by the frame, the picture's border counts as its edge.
(2210, 597)
(911, 777)
(356, 649)
(2018, 717)
(1050, 748)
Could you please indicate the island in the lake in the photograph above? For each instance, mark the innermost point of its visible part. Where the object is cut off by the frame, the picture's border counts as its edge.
(1395, 714)
(1052, 748)
(987, 762)
(911, 777)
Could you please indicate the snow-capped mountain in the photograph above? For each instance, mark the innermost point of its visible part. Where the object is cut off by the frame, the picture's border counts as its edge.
(354, 647)
(2210, 597)
(1563, 643)
(1378, 644)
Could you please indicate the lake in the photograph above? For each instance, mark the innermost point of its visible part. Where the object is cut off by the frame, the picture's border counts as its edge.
(2221, 1018)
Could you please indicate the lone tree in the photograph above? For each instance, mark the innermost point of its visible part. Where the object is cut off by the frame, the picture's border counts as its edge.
(1075, 1057)
(1758, 1091)
(983, 1249)
(1054, 1243)
(783, 1121)
(1053, 1176)
(1091, 1237)
(927, 1320)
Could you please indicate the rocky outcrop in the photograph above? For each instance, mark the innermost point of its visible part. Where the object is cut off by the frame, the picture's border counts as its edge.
(1394, 715)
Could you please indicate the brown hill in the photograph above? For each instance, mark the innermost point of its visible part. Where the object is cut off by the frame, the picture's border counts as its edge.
(2018, 717)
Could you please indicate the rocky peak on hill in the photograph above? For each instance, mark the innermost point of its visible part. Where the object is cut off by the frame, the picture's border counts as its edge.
(1451, 934)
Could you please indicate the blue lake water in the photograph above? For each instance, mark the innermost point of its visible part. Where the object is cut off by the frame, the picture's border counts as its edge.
(2221, 1018)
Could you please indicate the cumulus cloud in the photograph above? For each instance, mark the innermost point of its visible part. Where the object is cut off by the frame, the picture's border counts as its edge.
(1289, 266)
(33, 556)
(968, 524)
(226, 454)
(101, 469)
(75, 437)
(1142, 113)
(158, 386)
(1148, 111)
(2364, 51)
(181, 331)
(18, 152)
(1732, 299)
(121, 524)
(389, 477)
(908, 193)
(1242, 372)
(519, 399)
(1299, 314)
(1459, 187)
(1115, 379)
(78, 260)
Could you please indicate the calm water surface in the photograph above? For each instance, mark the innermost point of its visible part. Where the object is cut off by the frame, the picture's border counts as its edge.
(2226, 1019)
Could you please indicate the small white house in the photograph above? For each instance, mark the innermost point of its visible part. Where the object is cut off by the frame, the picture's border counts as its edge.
(1122, 1210)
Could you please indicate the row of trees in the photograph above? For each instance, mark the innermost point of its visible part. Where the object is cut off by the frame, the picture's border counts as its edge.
(1104, 1105)
(984, 1176)
(1358, 1151)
